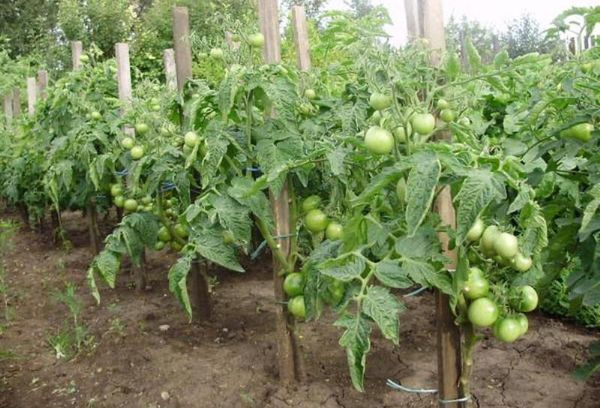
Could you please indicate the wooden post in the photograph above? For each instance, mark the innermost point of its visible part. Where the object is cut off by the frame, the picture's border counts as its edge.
(76, 52)
(42, 83)
(183, 48)
(198, 284)
(170, 69)
(16, 102)
(448, 333)
(125, 96)
(301, 38)
(412, 20)
(31, 95)
(286, 344)
(8, 107)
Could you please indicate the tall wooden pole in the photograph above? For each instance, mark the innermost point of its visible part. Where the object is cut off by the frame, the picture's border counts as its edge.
(286, 344)
(182, 45)
(31, 95)
(76, 52)
(412, 19)
(125, 91)
(170, 69)
(16, 101)
(301, 38)
(42, 83)
(8, 107)
(448, 333)
(198, 284)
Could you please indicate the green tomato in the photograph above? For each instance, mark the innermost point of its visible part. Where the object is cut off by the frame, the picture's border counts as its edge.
(401, 190)
(582, 131)
(181, 231)
(96, 115)
(379, 101)
(137, 152)
(476, 286)
(296, 307)
(141, 128)
(442, 104)
(483, 312)
(293, 285)
(155, 107)
(475, 231)
(310, 94)
(586, 68)
(127, 143)
(316, 221)
(448, 115)
(523, 322)
(379, 140)
(130, 205)
(334, 231)
(84, 59)
(487, 240)
(163, 234)
(508, 330)
(116, 190)
(216, 53)
(256, 40)
(159, 246)
(191, 139)
(506, 245)
(176, 246)
(525, 298)
(146, 200)
(311, 203)
(521, 262)
(119, 201)
(423, 123)
(464, 121)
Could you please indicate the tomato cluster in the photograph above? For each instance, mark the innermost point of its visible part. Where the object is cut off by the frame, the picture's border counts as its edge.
(502, 311)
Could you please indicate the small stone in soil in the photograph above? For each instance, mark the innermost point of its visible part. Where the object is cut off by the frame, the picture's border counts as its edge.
(164, 327)
(165, 395)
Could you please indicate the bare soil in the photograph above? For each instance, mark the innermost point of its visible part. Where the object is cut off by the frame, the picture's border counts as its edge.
(134, 360)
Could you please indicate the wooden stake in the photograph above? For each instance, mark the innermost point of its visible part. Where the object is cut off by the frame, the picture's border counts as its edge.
(183, 48)
(126, 95)
(170, 69)
(412, 20)
(16, 101)
(8, 107)
(448, 333)
(301, 38)
(286, 344)
(76, 52)
(31, 95)
(42, 83)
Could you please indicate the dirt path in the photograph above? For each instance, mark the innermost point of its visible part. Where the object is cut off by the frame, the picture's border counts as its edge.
(134, 360)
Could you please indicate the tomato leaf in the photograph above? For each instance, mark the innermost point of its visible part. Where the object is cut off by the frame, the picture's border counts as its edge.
(177, 282)
(420, 190)
(356, 340)
(391, 274)
(380, 305)
(208, 242)
(534, 237)
(345, 268)
(476, 193)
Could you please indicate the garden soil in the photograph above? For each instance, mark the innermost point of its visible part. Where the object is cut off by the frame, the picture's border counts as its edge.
(143, 353)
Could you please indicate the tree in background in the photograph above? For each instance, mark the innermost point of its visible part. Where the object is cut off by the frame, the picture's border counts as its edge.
(27, 24)
(524, 35)
(484, 39)
(313, 8)
(101, 22)
(360, 8)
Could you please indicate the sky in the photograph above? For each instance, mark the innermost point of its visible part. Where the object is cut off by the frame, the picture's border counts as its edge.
(491, 13)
